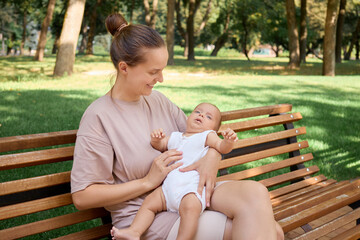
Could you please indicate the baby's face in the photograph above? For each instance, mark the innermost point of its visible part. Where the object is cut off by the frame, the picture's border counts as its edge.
(204, 117)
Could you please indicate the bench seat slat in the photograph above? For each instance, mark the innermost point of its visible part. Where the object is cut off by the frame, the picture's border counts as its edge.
(303, 194)
(296, 186)
(254, 112)
(52, 223)
(34, 206)
(330, 226)
(27, 159)
(262, 154)
(89, 234)
(353, 233)
(269, 137)
(34, 183)
(290, 176)
(37, 140)
(314, 199)
(319, 210)
(256, 171)
(261, 122)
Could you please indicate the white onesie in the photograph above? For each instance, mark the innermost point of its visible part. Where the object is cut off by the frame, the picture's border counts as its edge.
(177, 184)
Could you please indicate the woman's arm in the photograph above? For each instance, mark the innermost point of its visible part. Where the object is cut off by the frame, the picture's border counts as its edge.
(102, 195)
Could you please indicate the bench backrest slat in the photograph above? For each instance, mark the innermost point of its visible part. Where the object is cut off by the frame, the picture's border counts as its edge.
(34, 206)
(34, 183)
(53, 223)
(14, 143)
(19, 160)
(254, 112)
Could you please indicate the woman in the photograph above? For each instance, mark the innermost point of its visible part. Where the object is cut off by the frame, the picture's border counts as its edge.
(115, 166)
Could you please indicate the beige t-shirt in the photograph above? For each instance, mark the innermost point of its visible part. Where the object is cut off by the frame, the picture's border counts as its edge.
(113, 147)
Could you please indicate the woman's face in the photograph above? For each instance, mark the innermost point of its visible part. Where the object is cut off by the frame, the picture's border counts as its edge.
(141, 79)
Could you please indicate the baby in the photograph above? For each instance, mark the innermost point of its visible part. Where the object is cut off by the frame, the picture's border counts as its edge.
(178, 192)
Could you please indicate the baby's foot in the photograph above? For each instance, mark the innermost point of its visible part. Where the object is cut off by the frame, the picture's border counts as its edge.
(124, 234)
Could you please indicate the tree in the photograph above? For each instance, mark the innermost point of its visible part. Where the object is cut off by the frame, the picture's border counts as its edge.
(294, 50)
(170, 31)
(150, 19)
(339, 31)
(193, 6)
(303, 32)
(65, 57)
(330, 38)
(39, 55)
(92, 29)
(354, 39)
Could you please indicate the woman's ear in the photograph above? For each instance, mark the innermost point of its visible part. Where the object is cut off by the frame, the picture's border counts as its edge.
(123, 67)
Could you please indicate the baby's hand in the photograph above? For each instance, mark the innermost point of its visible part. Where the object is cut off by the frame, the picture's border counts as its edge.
(157, 134)
(229, 135)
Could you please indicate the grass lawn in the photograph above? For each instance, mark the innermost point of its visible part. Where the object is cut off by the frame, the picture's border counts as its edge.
(31, 101)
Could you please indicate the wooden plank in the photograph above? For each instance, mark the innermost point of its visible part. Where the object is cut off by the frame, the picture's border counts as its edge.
(262, 154)
(296, 186)
(314, 199)
(304, 193)
(89, 234)
(37, 140)
(351, 234)
(261, 122)
(27, 159)
(319, 210)
(241, 143)
(257, 111)
(329, 227)
(256, 171)
(52, 223)
(34, 206)
(290, 176)
(34, 183)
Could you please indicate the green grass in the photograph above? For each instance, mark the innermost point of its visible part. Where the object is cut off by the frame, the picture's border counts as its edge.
(32, 101)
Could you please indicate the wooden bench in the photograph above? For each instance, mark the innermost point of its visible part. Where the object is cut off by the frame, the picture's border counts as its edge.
(35, 171)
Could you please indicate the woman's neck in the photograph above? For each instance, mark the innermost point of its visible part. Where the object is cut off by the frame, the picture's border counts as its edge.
(120, 92)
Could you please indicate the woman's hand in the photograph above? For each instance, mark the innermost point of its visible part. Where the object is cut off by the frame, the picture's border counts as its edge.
(161, 166)
(207, 168)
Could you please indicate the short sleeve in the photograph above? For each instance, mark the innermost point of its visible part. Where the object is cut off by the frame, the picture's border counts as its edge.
(93, 163)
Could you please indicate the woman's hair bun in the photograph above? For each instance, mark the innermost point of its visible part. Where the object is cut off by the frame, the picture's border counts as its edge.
(114, 22)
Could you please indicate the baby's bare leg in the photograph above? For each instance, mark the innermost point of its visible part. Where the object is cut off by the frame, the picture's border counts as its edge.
(190, 209)
(153, 203)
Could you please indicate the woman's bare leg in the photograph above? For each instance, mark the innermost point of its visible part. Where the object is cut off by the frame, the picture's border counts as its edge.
(189, 210)
(153, 203)
(248, 204)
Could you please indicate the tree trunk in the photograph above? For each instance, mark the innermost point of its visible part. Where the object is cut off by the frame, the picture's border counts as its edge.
(330, 38)
(339, 31)
(294, 49)
(170, 31)
(39, 55)
(150, 19)
(84, 35)
(190, 30)
(303, 31)
(353, 40)
(180, 28)
(220, 42)
(357, 45)
(244, 40)
(92, 29)
(22, 44)
(205, 18)
(65, 57)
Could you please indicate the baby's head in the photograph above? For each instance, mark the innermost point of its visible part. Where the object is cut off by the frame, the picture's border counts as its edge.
(205, 116)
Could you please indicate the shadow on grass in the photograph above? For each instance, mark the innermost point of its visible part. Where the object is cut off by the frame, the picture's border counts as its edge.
(271, 66)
